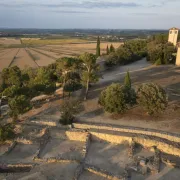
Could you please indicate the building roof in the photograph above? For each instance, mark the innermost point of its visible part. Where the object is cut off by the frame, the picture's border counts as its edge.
(174, 28)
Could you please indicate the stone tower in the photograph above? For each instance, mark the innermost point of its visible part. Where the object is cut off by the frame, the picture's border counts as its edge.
(173, 35)
(178, 56)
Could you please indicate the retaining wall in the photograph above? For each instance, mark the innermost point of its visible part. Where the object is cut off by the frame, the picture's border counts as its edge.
(74, 135)
(14, 168)
(145, 131)
(145, 141)
(104, 173)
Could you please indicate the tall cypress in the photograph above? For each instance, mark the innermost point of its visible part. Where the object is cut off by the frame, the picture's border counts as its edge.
(107, 50)
(112, 49)
(127, 80)
(98, 49)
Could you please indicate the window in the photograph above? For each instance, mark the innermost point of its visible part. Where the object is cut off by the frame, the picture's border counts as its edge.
(170, 32)
(175, 32)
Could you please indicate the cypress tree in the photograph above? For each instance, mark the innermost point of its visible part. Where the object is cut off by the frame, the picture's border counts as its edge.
(107, 50)
(98, 49)
(127, 80)
(112, 49)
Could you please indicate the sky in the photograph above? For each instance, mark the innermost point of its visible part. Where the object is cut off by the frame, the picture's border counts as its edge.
(102, 14)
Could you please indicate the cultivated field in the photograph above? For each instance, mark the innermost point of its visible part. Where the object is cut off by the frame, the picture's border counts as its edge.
(36, 52)
(9, 41)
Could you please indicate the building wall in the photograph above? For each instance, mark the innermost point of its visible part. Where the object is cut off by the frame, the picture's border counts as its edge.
(173, 36)
(178, 57)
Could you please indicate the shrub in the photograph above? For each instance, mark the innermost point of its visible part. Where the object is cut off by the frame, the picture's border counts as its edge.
(111, 59)
(68, 109)
(152, 98)
(117, 98)
(19, 105)
(158, 62)
(6, 132)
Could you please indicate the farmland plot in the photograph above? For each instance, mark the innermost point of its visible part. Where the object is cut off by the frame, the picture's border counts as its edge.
(47, 53)
(6, 60)
(41, 60)
(23, 60)
(9, 41)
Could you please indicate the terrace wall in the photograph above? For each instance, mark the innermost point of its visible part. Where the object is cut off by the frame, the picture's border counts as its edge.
(145, 131)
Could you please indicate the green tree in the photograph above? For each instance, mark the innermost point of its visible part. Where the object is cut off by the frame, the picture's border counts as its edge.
(69, 109)
(12, 76)
(112, 49)
(6, 132)
(117, 98)
(152, 98)
(73, 82)
(89, 70)
(19, 105)
(98, 48)
(124, 55)
(43, 81)
(111, 59)
(127, 80)
(107, 50)
(65, 66)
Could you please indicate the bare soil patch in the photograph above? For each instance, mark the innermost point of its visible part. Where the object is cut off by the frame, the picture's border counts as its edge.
(63, 149)
(58, 171)
(110, 157)
(21, 153)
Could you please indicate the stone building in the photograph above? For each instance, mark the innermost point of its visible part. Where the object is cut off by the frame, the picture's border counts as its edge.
(173, 35)
(173, 38)
(178, 56)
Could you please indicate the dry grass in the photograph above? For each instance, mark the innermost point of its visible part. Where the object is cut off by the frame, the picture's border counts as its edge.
(46, 52)
(23, 60)
(37, 41)
(9, 41)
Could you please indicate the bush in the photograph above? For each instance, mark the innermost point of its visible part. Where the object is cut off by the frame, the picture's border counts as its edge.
(111, 59)
(152, 98)
(68, 109)
(6, 132)
(117, 98)
(158, 62)
(19, 105)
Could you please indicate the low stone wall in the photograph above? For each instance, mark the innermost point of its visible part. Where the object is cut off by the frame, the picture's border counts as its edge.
(23, 140)
(79, 171)
(143, 140)
(75, 135)
(105, 174)
(116, 139)
(44, 141)
(45, 123)
(145, 131)
(14, 168)
(87, 144)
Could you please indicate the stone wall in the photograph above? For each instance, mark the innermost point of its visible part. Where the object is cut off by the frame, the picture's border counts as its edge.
(104, 173)
(144, 141)
(145, 131)
(75, 135)
(14, 168)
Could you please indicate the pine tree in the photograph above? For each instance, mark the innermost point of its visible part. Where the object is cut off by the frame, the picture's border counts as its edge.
(127, 80)
(98, 49)
(107, 50)
(112, 49)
